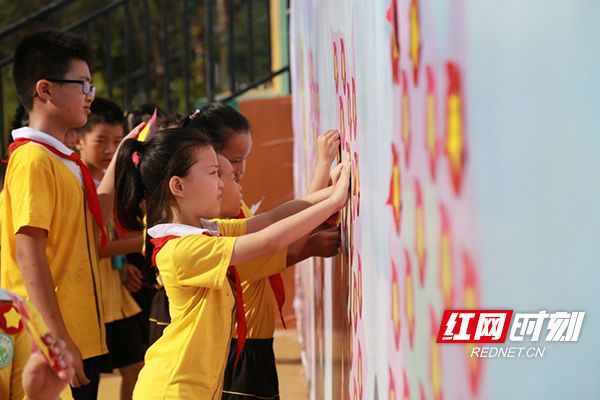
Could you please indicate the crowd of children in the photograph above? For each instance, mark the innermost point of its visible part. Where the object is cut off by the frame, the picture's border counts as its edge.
(140, 253)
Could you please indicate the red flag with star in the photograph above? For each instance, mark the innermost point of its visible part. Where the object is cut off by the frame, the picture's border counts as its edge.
(395, 195)
(455, 146)
(392, 18)
(414, 18)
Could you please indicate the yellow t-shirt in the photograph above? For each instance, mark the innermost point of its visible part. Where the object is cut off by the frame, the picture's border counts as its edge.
(117, 303)
(188, 361)
(260, 304)
(41, 191)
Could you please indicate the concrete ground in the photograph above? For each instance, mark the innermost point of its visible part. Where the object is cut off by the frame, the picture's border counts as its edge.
(292, 381)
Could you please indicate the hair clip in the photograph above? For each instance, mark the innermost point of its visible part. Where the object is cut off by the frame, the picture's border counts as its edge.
(136, 158)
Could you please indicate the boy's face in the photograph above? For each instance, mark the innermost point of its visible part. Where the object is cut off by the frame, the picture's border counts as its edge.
(98, 145)
(232, 191)
(67, 101)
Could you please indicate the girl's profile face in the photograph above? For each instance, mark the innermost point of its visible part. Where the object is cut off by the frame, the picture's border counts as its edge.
(237, 149)
(202, 187)
(232, 194)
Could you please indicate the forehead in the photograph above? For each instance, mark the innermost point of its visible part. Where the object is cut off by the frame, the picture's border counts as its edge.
(239, 143)
(107, 130)
(206, 156)
(79, 69)
(224, 163)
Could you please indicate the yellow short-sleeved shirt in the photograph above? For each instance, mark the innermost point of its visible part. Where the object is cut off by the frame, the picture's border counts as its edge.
(117, 303)
(41, 191)
(188, 361)
(260, 304)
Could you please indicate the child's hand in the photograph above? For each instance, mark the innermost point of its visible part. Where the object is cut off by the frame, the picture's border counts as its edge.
(342, 186)
(324, 242)
(335, 173)
(79, 378)
(134, 278)
(327, 146)
(40, 381)
(134, 132)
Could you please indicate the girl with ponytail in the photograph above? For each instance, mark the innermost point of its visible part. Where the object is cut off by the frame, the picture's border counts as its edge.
(174, 179)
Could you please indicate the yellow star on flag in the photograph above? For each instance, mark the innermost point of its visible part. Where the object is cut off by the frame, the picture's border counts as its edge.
(12, 318)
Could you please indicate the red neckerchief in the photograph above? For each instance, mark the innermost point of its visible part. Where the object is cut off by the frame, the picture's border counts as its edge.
(276, 282)
(89, 187)
(234, 278)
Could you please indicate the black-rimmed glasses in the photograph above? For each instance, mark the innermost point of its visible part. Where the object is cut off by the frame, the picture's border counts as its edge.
(86, 87)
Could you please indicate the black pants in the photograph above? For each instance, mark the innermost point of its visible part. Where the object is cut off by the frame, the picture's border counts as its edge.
(255, 374)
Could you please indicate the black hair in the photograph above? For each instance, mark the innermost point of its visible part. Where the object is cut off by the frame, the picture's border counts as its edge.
(20, 118)
(103, 111)
(44, 55)
(219, 121)
(142, 114)
(167, 153)
(170, 120)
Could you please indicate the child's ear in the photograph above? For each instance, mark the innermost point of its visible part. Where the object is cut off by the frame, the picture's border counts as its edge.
(176, 186)
(42, 90)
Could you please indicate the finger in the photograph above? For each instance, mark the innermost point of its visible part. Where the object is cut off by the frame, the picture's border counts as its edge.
(136, 272)
(135, 277)
(328, 230)
(66, 374)
(328, 235)
(137, 282)
(80, 376)
(135, 131)
(331, 140)
(58, 348)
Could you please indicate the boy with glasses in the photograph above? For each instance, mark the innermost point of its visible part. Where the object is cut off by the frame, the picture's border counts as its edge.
(51, 212)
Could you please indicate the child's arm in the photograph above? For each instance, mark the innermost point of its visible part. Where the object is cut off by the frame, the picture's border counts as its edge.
(291, 207)
(282, 233)
(322, 243)
(30, 244)
(106, 189)
(122, 246)
(327, 149)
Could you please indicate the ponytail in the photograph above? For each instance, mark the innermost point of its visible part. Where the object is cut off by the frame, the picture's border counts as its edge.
(143, 171)
(129, 188)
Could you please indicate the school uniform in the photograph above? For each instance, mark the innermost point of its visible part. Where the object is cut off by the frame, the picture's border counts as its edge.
(188, 360)
(43, 190)
(255, 374)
